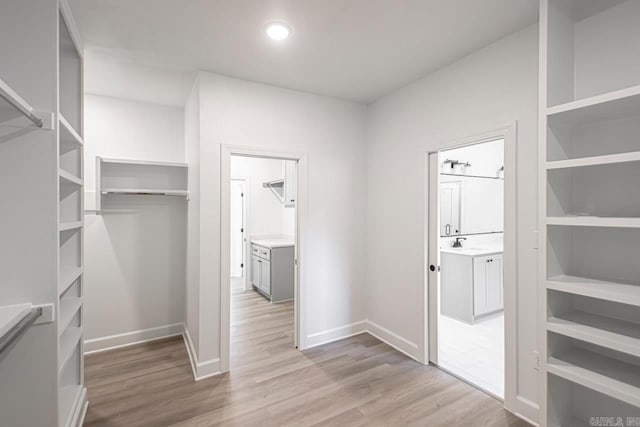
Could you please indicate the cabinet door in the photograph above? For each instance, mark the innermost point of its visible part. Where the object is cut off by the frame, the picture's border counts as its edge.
(265, 276)
(480, 295)
(256, 272)
(290, 182)
(494, 283)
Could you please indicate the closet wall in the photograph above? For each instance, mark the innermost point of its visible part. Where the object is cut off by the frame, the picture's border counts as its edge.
(485, 90)
(135, 247)
(332, 132)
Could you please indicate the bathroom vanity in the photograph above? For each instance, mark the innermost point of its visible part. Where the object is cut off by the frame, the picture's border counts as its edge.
(272, 268)
(471, 282)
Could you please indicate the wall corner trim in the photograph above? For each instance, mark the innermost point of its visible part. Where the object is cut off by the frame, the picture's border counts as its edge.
(201, 370)
(394, 340)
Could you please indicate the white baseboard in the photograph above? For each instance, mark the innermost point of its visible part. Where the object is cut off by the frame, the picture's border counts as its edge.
(111, 342)
(396, 341)
(201, 370)
(527, 410)
(335, 334)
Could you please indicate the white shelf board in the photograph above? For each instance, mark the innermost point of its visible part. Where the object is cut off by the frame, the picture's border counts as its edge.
(143, 163)
(609, 291)
(67, 277)
(594, 221)
(11, 315)
(68, 309)
(608, 106)
(144, 191)
(68, 343)
(69, 179)
(13, 105)
(69, 138)
(612, 377)
(609, 159)
(603, 331)
(70, 226)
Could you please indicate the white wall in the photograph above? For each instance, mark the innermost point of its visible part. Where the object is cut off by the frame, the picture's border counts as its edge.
(266, 215)
(489, 88)
(332, 133)
(135, 249)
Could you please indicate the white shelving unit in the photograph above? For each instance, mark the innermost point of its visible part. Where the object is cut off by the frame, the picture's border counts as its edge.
(590, 217)
(139, 178)
(41, 223)
(71, 391)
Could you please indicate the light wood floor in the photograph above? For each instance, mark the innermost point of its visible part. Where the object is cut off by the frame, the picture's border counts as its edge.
(354, 382)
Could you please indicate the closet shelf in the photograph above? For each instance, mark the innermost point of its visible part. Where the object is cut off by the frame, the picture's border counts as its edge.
(609, 291)
(65, 226)
(17, 105)
(68, 309)
(609, 159)
(613, 105)
(603, 331)
(594, 221)
(69, 138)
(143, 163)
(67, 277)
(613, 377)
(68, 343)
(68, 179)
(144, 192)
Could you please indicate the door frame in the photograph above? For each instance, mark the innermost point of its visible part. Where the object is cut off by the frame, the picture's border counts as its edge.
(510, 277)
(300, 290)
(247, 226)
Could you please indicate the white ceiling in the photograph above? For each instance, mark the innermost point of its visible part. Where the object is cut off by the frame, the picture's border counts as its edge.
(353, 49)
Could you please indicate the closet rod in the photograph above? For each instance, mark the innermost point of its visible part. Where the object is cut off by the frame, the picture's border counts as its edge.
(18, 103)
(18, 330)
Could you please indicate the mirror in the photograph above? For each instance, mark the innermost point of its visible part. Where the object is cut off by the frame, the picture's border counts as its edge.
(472, 190)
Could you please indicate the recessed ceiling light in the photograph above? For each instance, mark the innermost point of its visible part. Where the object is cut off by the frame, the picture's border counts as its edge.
(277, 30)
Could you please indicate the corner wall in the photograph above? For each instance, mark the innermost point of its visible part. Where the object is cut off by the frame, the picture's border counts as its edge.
(486, 89)
(332, 133)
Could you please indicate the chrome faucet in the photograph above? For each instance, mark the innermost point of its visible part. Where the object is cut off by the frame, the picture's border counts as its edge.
(458, 242)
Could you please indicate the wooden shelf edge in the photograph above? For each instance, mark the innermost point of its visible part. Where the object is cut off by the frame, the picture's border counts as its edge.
(68, 308)
(69, 178)
(608, 291)
(594, 221)
(66, 226)
(143, 163)
(67, 345)
(67, 277)
(593, 101)
(76, 138)
(609, 159)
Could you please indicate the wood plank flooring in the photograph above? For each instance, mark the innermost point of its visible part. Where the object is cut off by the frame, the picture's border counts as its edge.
(358, 381)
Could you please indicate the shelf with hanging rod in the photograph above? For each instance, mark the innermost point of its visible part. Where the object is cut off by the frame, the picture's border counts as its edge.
(14, 106)
(14, 321)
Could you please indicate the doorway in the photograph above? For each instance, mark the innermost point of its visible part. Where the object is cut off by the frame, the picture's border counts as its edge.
(471, 261)
(272, 234)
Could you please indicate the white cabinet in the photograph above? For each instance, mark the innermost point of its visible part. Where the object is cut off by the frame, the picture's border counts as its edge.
(487, 284)
(272, 271)
(470, 286)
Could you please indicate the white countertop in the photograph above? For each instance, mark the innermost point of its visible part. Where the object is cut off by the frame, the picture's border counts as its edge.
(11, 315)
(273, 243)
(474, 250)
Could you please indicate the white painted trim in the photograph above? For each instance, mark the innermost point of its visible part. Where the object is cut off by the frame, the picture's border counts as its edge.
(301, 235)
(111, 342)
(509, 133)
(200, 370)
(527, 410)
(336, 334)
(79, 410)
(394, 340)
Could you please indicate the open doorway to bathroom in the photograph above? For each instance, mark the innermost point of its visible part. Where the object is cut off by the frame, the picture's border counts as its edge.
(470, 246)
(262, 233)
